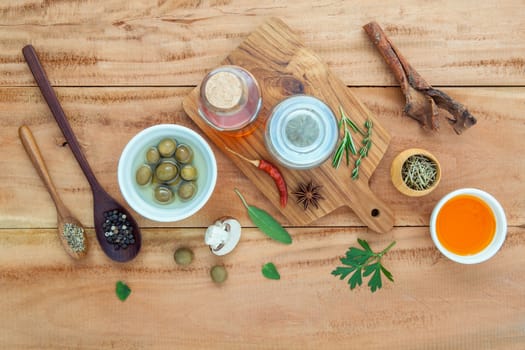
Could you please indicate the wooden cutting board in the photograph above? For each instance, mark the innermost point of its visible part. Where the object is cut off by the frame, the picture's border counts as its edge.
(283, 66)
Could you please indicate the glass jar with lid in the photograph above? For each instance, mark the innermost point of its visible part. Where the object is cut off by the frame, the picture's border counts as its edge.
(230, 100)
(301, 132)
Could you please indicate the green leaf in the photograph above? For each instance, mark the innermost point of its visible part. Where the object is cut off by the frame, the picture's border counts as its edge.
(351, 144)
(387, 273)
(371, 268)
(343, 271)
(362, 263)
(375, 282)
(270, 271)
(266, 223)
(355, 173)
(356, 256)
(365, 245)
(355, 279)
(122, 290)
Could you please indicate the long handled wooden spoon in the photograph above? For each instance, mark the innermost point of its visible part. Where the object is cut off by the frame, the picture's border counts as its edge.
(117, 232)
(70, 230)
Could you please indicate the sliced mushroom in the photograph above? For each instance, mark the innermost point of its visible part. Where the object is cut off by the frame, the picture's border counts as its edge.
(223, 235)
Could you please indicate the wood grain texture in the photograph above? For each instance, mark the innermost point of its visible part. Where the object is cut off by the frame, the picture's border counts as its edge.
(51, 302)
(99, 42)
(284, 67)
(125, 65)
(480, 158)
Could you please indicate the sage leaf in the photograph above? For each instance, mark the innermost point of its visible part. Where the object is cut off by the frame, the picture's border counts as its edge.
(270, 271)
(122, 290)
(266, 223)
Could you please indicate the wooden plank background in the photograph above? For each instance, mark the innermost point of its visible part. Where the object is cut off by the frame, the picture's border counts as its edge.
(121, 66)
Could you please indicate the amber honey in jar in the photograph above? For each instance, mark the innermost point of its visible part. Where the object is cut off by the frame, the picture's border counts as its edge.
(230, 100)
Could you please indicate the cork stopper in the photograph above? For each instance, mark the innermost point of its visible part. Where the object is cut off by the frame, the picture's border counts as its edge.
(223, 90)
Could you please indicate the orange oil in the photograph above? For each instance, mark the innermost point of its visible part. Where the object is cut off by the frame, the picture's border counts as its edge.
(465, 225)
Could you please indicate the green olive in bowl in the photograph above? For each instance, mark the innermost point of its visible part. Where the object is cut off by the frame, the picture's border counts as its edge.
(187, 190)
(167, 147)
(141, 198)
(143, 175)
(152, 155)
(166, 171)
(188, 172)
(183, 154)
(163, 194)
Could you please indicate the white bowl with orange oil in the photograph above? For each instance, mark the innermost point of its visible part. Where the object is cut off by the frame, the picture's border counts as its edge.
(468, 226)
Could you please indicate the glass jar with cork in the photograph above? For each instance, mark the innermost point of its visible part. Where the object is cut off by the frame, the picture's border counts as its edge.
(230, 100)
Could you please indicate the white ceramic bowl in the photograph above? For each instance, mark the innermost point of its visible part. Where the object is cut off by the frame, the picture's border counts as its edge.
(140, 198)
(499, 236)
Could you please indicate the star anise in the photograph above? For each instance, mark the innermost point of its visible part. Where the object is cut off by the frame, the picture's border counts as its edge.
(308, 194)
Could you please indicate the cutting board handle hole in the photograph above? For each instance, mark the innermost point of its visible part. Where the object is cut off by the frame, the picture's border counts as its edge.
(375, 213)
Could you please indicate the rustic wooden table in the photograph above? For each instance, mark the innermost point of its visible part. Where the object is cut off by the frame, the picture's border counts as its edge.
(121, 66)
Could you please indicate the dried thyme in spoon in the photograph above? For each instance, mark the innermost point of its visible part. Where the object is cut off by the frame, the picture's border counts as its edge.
(419, 172)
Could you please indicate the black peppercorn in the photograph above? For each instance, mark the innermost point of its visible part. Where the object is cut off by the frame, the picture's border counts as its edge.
(118, 230)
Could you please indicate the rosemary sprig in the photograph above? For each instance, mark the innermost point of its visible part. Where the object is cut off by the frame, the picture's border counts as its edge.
(347, 143)
(363, 151)
(347, 146)
(362, 263)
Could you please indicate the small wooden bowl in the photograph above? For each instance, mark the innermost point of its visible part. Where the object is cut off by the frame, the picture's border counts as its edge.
(397, 166)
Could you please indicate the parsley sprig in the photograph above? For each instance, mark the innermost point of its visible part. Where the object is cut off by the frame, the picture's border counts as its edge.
(362, 263)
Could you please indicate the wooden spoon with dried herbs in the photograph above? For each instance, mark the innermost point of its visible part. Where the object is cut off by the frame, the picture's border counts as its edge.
(70, 230)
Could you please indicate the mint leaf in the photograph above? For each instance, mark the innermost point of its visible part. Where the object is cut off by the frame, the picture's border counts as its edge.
(122, 290)
(270, 271)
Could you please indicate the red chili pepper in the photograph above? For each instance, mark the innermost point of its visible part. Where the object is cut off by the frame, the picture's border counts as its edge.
(271, 170)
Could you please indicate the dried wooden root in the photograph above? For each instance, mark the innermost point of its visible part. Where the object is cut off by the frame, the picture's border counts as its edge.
(421, 97)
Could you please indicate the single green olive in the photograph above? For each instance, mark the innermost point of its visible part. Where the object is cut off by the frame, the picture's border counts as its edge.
(188, 172)
(163, 194)
(143, 175)
(183, 154)
(183, 256)
(167, 147)
(166, 171)
(218, 274)
(152, 155)
(187, 190)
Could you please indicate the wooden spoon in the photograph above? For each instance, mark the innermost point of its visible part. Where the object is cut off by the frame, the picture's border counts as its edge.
(63, 214)
(103, 203)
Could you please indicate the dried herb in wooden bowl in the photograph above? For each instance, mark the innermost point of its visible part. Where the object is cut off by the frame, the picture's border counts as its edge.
(419, 172)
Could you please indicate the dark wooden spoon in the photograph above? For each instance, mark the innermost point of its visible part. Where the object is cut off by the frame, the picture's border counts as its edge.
(103, 203)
